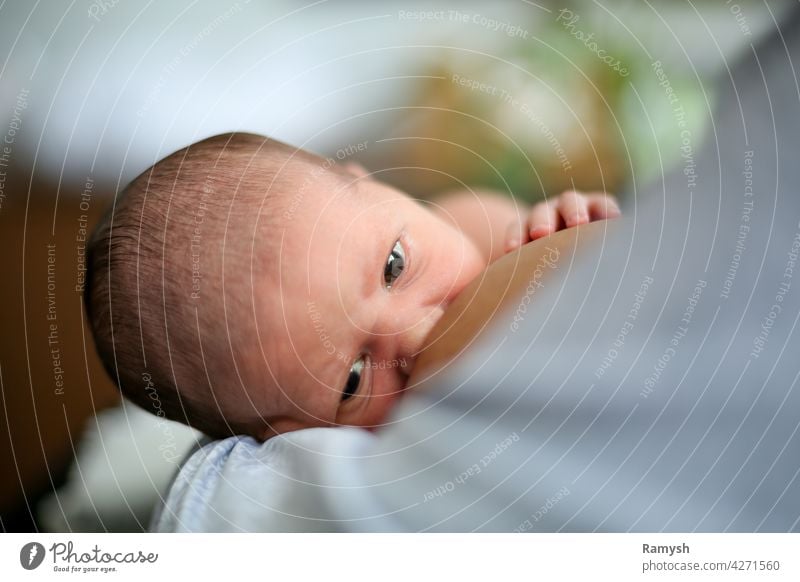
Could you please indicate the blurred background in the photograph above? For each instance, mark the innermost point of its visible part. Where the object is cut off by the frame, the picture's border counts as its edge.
(526, 97)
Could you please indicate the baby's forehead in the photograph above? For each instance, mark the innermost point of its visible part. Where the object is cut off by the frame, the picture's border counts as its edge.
(315, 194)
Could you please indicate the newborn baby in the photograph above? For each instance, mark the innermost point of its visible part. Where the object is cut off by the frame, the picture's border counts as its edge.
(242, 286)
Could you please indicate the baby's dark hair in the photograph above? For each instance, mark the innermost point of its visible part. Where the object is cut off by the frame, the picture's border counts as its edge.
(156, 264)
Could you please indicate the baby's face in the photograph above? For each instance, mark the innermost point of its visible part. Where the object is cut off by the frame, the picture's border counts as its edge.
(364, 272)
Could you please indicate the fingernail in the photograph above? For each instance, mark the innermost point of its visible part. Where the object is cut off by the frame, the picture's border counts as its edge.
(579, 218)
(541, 230)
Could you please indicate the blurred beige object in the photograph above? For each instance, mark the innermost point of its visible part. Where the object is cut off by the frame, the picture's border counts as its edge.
(505, 127)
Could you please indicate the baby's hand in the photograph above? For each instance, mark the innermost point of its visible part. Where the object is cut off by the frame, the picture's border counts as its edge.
(569, 209)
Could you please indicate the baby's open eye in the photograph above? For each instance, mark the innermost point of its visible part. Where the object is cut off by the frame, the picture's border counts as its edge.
(394, 264)
(354, 378)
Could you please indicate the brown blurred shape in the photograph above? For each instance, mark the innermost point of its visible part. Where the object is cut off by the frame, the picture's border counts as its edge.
(42, 424)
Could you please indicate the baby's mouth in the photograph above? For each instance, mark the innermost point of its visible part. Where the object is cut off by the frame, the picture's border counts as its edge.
(406, 365)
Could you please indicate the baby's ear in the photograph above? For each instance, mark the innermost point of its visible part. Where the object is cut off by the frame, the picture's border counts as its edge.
(357, 170)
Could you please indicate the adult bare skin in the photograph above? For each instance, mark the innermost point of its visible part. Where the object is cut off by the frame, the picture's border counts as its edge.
(501, 287)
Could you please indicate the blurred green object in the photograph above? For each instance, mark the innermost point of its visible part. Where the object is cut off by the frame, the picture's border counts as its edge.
(574, 104)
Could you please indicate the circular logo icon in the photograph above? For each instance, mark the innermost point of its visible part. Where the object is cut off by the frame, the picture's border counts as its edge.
(31, 555)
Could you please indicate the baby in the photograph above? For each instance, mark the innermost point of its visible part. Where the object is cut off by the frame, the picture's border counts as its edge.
(242, 286)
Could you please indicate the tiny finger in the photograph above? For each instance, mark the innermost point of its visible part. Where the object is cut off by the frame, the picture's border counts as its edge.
(573, 208)
(602, 206)
(543, 220)
(515, 233)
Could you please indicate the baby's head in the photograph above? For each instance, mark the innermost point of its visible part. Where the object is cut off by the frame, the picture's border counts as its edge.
(246, 287)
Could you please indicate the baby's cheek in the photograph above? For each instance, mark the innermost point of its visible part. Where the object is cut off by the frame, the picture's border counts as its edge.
(380, 410)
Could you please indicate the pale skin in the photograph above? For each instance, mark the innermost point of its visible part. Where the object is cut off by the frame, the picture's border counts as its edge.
(366, 272)
(499, 225)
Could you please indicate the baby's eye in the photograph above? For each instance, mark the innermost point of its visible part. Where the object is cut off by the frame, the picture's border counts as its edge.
(354, 378)
(394, 264)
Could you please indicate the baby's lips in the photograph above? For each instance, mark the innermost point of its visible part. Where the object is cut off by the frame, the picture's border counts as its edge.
(424, 338)
(406, 365)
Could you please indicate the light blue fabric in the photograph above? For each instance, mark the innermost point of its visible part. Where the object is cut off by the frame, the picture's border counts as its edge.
(238, 484)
